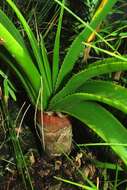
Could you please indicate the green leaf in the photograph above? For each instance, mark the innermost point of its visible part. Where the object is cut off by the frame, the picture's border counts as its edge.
(108, 60)
(6, 78)
(6, 92)
(105, 88)
(56, 48)
(97, 49)
(21, 55)
(107, 92)
(27, 85)
(11, 93)
(79, 79)
(29, 33)
(106, 165)
(8, 87)
(11, 28)
(75, 184)
(46, 64)
(35, 48)
(3, 74)
(100, 121)
(77, 46)
(101, 91)
(112, 101)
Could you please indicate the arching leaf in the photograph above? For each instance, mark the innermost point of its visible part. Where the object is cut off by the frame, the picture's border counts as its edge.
(101, 122)
(79, 79)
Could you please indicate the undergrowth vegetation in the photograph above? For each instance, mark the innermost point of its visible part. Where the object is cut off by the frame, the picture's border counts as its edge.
(63, 74)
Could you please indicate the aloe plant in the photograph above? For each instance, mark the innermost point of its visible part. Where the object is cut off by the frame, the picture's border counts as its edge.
(55, 93)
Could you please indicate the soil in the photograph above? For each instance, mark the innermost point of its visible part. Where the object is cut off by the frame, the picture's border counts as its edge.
(44, 171)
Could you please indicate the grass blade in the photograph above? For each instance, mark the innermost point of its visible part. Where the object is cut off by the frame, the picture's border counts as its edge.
(75, 184)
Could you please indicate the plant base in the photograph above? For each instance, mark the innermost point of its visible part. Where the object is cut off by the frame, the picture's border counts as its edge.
(57, 133)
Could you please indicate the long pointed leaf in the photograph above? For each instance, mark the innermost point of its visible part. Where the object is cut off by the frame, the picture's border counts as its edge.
(56, 48)
(29, 32)
(46, 64)
(29, 88)
(101, 122)
(34, 46)
(77, 46)
(105, 88)
(79, 79)
(25, 82)
(11, 28)
(107, 99)
(108, 60)
(20, 54)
